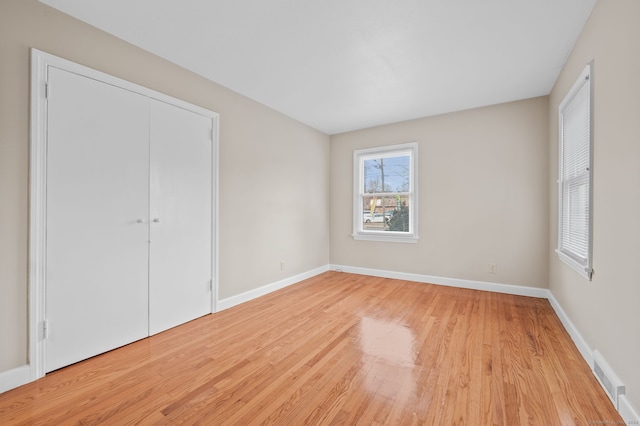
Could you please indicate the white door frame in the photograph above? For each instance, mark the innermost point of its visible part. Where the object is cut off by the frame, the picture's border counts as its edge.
(40, 62)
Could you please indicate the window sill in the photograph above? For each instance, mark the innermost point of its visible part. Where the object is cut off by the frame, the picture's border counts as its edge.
(393, 238)
(577, 266)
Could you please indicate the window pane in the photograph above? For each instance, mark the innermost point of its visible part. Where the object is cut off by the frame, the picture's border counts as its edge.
(386, 213)
(575, 218)
(387, 174)
(574, 221)
(385, 180)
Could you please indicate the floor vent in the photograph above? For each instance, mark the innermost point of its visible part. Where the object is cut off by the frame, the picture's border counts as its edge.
(607, 378)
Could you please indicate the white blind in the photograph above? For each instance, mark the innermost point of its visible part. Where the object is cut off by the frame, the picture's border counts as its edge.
(575, 173)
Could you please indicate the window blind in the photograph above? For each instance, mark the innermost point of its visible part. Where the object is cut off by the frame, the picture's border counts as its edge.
(574, 240)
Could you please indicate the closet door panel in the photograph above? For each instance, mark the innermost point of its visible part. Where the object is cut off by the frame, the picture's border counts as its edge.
(181, 216)
(97, 191)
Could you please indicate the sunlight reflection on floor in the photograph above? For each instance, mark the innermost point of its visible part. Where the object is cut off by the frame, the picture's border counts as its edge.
(390, 349)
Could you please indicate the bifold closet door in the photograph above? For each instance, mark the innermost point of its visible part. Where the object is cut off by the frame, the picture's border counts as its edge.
(97, 209)
(180, 253)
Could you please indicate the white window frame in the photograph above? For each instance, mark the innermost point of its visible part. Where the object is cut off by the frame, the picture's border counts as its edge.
(359, 156)
(580, 260)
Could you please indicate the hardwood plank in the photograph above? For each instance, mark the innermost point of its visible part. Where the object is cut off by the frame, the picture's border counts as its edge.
(335, 349)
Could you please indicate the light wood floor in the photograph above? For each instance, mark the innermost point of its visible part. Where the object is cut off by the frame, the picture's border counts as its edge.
(335, 349)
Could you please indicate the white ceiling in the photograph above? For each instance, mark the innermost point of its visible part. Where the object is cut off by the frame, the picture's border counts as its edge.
(340, 65)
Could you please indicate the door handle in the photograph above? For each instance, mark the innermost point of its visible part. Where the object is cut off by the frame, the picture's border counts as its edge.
(140, 221)
(156, 220)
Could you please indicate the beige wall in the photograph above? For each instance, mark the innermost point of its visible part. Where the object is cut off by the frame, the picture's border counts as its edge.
(483, 195)
(606, 311)
(487, 192)
(273, 170)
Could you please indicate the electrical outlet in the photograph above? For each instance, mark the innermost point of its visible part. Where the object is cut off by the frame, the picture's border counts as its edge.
(282, 265)
(493, 268)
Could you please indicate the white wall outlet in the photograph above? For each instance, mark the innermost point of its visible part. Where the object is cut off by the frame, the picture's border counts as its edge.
(282, 265)
(493, 268)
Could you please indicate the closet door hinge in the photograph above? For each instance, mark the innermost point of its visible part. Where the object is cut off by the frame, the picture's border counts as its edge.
(211, 285)
(46, 90)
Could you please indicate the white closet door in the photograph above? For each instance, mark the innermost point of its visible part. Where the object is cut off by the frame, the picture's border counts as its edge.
(97, 190)
(181, 216)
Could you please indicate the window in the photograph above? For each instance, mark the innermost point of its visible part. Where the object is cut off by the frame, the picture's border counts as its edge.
(575, 176)
(385, 194)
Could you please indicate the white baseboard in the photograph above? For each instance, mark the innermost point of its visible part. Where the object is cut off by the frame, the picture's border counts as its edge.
(266, 289)
(21, 375)
(15, 377)
(625, 409)
(627, 412)
(543, 293)
(585, 350)
(451, 282)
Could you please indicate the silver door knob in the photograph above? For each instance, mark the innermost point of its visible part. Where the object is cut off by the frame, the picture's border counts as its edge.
(156, 220)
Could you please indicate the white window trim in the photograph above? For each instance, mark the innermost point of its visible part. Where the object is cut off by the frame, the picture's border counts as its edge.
(358, 174)
(583, 268)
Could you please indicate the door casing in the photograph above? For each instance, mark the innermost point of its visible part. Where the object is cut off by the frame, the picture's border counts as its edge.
(40, 64)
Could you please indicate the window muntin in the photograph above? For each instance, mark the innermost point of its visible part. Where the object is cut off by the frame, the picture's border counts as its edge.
(575, 176)
(385, 193)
